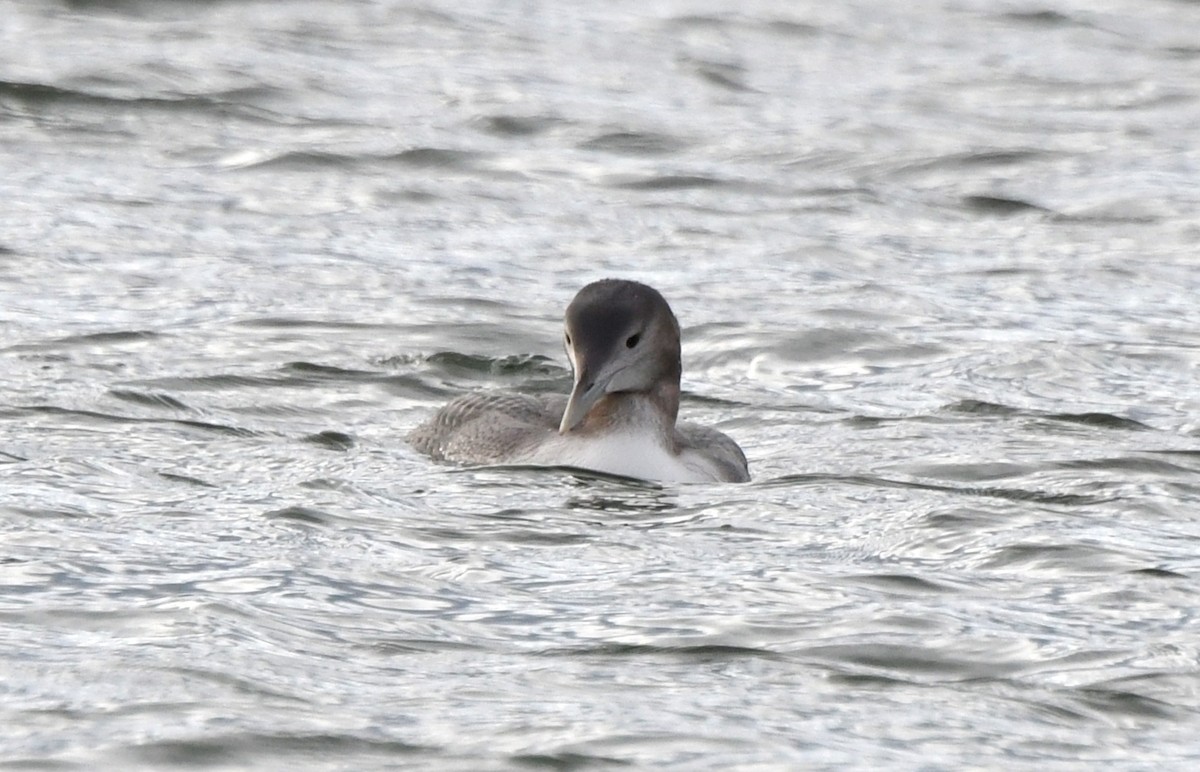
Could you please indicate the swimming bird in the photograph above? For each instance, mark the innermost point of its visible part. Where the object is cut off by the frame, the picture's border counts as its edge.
(622, 340)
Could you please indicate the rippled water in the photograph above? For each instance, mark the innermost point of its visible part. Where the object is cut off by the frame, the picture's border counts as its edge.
(936, 265)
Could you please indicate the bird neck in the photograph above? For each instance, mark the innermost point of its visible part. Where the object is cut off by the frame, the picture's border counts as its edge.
(654, 411)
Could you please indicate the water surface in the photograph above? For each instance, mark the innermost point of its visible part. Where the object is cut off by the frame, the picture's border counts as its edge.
(935, 266)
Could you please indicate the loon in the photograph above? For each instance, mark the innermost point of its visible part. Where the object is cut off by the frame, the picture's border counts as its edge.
(620, 418)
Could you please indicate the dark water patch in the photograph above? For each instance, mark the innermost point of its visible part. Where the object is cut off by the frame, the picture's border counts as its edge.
(42, 764)
(794, 29)
(1073, 558)
(1100, 420)
(698, 21)
(1128, 464)
(206, 426)
(314, 372)
(512, 526)
(453, 363)
(998, 158)
(673, 182)
(697, 653)
(634, 143)
(404, 647)
(139, 8)
(871, 421)
(183, 478)
(44, 94)
(330, 440)
(38, 96)
(978, 472)
(48, 513)
(508, 535)
(542, 538)
(115, 337)
(252, 747)
(1057, 712)
(902, 659)
(1000, 206)
(652, 504)
(781, 27)
(1115, 213)
(323, 160)
(873, 680)
(1158, 573)
(1007, 271)
(980, 407)
(90, 415)
(110, 418)
(1097, 419)
(725, 76)
(565, 761)
(1186, 53)
(435, 158)
(407, 196)
(448, 535)
(249, 93)
(414, 387)
(517, 125)
(301, 514)
(1178, 492)
(961, 519)
(1123, 704)
(1042, 18)
(40, 356)
(291, 322)
(692, 398)
(872, 481)
(1159, 99)
(306, 161)
(969, 160)
(328, 484)
(213, 383)
(148, 399)
(225, 382)
(900, 584)
(526, 364)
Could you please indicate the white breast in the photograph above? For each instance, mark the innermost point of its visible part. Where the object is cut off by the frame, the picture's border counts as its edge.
(631, 454)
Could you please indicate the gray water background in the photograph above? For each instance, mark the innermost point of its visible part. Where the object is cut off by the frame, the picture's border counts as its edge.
(936, 264)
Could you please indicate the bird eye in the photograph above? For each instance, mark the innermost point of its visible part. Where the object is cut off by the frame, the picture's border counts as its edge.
(568, 338)
(632, 340)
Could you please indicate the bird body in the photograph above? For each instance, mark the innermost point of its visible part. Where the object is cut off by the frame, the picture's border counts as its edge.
(620, 418)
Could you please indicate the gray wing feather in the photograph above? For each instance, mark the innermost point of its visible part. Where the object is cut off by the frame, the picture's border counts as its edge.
(488, 428)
